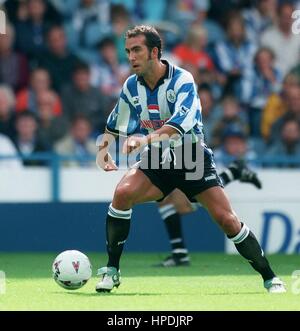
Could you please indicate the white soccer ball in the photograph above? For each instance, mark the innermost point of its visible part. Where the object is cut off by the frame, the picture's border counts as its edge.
(71, 269)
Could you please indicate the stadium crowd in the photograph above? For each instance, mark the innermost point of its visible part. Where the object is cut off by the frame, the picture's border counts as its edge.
(62, 65)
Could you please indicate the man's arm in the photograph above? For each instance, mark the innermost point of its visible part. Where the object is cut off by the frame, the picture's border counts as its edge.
(136, 142)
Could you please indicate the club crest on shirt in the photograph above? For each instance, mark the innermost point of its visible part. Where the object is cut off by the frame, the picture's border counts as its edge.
(171, 96)
(136, 100)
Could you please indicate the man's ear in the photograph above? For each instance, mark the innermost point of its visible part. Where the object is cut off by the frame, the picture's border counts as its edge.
(154, 53)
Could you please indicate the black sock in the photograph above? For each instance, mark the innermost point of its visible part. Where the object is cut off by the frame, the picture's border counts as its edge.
(248, 246)
(228, 176)
(172, 222)
(117, 230)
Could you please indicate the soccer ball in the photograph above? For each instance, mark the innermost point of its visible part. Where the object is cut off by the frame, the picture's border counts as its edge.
(71, 269)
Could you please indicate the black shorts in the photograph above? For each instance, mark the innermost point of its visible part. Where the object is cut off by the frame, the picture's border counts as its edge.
(169, 179)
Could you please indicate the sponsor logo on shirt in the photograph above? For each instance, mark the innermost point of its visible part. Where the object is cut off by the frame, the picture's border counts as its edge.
(152, 124)
(210, 177)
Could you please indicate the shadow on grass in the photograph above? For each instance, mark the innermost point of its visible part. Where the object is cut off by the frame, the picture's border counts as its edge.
(38, 265)
(105, 294)
(83, 294)
(237, 293)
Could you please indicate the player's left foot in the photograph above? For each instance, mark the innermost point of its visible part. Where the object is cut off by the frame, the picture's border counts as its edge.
(275, 285)
(174, 261)
(244, 174)
(111, 278)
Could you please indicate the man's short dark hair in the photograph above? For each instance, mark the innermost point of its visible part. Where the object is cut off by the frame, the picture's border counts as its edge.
(106, 41)
(26, 114)
(80, 66)
(152, 37)
(80, 116)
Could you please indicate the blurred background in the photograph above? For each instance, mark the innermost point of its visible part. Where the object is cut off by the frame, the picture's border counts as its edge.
(62, 65)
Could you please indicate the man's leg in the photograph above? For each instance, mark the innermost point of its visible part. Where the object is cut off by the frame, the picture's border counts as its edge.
(134, 187)
(170, 209)
(177, 204)
(238, 170)
(218, 205)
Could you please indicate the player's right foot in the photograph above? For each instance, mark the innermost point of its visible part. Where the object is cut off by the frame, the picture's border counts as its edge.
(244, 174)
(275, 285)
(174, 261)
(110, 278)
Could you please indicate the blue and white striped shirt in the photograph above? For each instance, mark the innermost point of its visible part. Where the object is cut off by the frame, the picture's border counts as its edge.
(229, 57)
(173, 102)
(255, 24)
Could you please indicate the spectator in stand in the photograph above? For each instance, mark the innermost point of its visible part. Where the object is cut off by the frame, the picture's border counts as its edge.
(259, 17)
(220, 9)
(258, 84)
(39, 82)
(277, 105)
(81, 97)
(57, 60)
(107, 73)
(231, 115)
(26, 139)
(7, 148)
(194, 12)
(13, 66)
(209, 115)
(296, 71)
(51, 126)
(192, 56)
(234, 146)
(7, 103)
(78, 143)
(150, 11)
(120, 20)
(65, 8)
(17, 10)
(281, 39)
(31, 32)
(235, 55)
(193, 50)
(289, 143)
(89, 23)
(293, 110)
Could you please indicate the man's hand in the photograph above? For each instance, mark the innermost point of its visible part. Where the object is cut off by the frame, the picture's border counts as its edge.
(134, 143)
(104, 161)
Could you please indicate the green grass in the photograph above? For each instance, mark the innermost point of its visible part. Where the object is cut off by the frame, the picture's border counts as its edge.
(212, 282)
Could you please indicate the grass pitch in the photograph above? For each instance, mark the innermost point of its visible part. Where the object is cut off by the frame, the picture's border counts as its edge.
(212, 282)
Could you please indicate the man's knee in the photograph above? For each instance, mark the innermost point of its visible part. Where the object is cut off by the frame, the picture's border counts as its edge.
(123, 197)
(228, 221)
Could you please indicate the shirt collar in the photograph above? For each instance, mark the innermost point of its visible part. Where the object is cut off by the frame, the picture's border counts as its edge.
(167, 74)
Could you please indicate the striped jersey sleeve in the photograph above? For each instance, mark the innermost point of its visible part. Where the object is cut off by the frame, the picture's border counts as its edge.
(123, 120)
(187, 109)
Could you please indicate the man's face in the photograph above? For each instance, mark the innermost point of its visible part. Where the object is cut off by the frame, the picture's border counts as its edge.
(82, 79)
(235, 146)
(81, 130)
(138, 55)
(236, 31)
(285, 18)
(291, 132)
(57, 41)
(264, 60)
(26, 128)
(4, 104)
